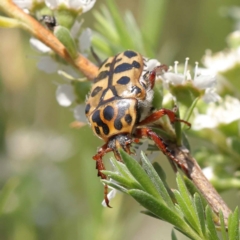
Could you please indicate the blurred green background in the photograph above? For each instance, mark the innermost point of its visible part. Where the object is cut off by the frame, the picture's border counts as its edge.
(47, 175)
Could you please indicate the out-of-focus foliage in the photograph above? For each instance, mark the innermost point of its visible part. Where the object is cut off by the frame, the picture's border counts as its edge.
(49, 187)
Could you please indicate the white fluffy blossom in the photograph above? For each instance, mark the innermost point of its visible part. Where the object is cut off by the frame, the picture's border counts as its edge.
(222, 61)
(203, 80)
(26, 4)
(84, 5)
(65, 95)
(78, 5)
(224, 113)
(79, 113)
(39, 46)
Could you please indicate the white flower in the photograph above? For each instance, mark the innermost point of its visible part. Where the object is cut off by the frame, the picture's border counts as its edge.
(77, 5)
(65, 95)
(79, 113)
(203, 80)
(26, 4)
(47, 64)
(222, 61)
(39, 46)
(84, 5)
(85, 40)
(150, 64)
(224, 113)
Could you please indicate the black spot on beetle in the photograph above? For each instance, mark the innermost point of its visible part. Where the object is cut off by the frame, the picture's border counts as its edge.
(105, 129)
(123, 80)
(97, 119)
(107, 65)
(117, 124)
(128, 118)
(118, 59)
(123, 67)
(130, 54)
(123, 106)
(97, 130)
(87, 108)
(95, 91)
(136, 64)
(101, 76)
(108, 113)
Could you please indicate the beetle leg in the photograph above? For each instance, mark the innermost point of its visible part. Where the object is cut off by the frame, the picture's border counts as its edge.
(147, 132)
(100, 166)
(156, 71)
(158, 114)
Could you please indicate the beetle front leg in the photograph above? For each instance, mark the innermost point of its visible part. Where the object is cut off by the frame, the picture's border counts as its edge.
(100, 166)
(147, 132)
(160, 113)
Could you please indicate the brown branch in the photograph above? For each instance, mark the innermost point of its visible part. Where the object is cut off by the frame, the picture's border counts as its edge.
(194, 172)
(45, 36)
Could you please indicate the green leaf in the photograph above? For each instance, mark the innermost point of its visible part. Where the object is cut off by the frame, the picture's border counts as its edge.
(65, 17)
(122, 169)
(64, 36)
(156, 207)
(152, 12)
(81, 89)
(185, 195)
(212, 234)
(150, 214)
(6, 22)
(192, 189)
(133, 28)
(115, 185)
(120, 25)
(126, 182)
(159, 185)
(160, 172)
(187, 211)
(105, 23)
(233, 225)
(139, 174)
(163, 212)
(163, 177)
(200, 213)
(173, 235)
(223, 227)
